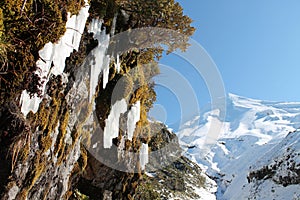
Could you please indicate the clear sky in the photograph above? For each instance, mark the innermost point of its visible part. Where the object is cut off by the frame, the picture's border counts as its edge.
(254, 43)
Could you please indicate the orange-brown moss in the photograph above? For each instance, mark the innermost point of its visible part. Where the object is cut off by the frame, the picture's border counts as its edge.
(45, 139)
(82, 161)
(33, 175)
(25, 27)
(62, 132)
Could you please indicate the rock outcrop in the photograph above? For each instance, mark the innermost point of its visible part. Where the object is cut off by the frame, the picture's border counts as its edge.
(283, 163)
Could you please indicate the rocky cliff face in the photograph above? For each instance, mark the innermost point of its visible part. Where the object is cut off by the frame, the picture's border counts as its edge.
(170, 175)
(43, 141)
(167, 175)
(74, 125)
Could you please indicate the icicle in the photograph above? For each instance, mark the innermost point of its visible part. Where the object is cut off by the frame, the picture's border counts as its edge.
(132, 119)
(95, 28)
(64, 47)
(102, 63)
(125, 16)
(80, 25)
(111, 129)
(144, 156)
(102, 60)
(70, 40)
(56, 54)
(106, 71)
(112, 32)
(113, 26)
(118, 64)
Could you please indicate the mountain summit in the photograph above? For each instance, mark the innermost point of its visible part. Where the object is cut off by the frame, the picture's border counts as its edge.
(256, 153)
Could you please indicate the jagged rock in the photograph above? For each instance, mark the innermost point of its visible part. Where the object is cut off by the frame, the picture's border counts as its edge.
(169, 174)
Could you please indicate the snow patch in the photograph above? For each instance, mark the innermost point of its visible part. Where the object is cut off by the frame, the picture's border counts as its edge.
(150, 174)
(203, 193)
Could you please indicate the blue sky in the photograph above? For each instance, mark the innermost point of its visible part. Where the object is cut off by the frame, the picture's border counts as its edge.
(255, 45)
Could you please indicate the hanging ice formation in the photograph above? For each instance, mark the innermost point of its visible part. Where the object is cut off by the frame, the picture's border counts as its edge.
(101, 62)
(132, 119)
(144, 158)
(52, 62)
(56, 54)
(111, 129)
(118, 64)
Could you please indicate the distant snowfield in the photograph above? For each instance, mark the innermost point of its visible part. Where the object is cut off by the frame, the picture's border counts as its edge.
(251, 128)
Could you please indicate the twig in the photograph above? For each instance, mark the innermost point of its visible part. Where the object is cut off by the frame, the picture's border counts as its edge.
(74, 30)
(23, 6)
(4, 70)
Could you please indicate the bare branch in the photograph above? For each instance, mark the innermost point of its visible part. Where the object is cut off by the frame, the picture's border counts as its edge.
(23, 6)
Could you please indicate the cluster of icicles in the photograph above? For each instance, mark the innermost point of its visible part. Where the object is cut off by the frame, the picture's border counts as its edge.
(52, 62)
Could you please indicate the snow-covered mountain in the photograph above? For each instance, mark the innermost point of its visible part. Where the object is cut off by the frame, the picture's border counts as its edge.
(256, 154)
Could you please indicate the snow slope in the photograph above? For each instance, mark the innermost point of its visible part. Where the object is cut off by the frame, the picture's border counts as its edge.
(281, 164)
(250, 129)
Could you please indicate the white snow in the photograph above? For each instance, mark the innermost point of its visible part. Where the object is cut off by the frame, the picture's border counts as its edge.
(144, 157)
(251, 129)
(29, 104)
(111, 129)
(268, 190)
(150, 174)
(203, 193)
(56, 54)
(132, 119)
